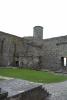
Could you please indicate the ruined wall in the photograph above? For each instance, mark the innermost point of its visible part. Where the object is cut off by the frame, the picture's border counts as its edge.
(47, 54)
(32, 53)
(53, 50)
(22, 52)
(8, 50)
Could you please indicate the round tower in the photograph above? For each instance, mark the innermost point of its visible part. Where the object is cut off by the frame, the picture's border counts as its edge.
(38, 32)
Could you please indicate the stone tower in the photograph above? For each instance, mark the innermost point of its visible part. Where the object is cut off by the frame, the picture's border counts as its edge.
(38, 32)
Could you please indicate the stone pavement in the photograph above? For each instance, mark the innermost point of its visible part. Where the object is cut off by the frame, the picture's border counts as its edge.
(15, 86)
(58, 91)
(18, 89)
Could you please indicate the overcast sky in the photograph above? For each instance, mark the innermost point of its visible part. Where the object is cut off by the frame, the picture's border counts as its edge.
(18, 17)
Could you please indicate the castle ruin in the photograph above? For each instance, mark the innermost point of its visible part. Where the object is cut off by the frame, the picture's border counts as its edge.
(33, 52)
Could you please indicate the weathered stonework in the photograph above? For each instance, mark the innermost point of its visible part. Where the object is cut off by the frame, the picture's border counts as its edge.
(54, 49)
(38, 32)
(30, 52)
(18, 89)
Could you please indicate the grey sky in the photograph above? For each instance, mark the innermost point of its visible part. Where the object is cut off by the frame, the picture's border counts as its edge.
(18, 17)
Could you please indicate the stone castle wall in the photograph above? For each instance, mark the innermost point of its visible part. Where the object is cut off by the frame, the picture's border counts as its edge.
(15, 51)
(54, 49)
(32, 53)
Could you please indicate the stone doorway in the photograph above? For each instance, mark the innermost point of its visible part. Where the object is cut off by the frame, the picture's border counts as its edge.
(64, 62)
(17, 63)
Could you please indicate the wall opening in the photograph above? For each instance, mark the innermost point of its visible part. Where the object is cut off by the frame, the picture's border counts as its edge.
(63, 61)
(17, 63)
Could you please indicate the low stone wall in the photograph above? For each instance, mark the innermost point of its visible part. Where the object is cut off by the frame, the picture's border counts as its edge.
(17, 89)
(34, 94)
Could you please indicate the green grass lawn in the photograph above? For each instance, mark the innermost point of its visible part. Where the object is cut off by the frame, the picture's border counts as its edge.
(32, 75)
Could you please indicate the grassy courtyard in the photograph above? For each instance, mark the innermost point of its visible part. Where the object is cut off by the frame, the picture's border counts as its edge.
(32, 75)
